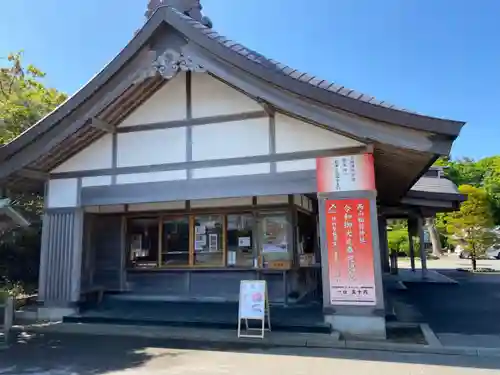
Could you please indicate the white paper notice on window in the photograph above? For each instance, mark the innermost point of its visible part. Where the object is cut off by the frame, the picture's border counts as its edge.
(213, 242)
(231, 258)
(244, 242)
(200, 229)
(272, 248)
(200, 242)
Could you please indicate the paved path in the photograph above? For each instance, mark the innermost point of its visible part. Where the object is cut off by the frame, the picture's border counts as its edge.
(450, 261)
(467, 314)
(90, 355)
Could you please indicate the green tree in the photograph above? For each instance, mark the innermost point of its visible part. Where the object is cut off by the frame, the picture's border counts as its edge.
(471, 226)
(24, 99)
(491, 183)
(465, 171)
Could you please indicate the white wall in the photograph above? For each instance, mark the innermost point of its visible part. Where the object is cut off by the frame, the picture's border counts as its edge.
(296, 165)
(136, 178)
(294, 136)
(231, 139)
(96, 181)
(233, 170)
(211, 97)
(167, 104)
(152, 147)
(97, 155)
(63, 193)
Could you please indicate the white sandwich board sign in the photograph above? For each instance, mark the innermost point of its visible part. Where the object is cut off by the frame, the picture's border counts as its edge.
(253, 305)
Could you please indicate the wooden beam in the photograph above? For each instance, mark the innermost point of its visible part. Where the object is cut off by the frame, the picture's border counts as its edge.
(268, 108)
(33, 174)
(102, 125)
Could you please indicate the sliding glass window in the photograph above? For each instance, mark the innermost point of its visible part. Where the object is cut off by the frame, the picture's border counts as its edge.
(143, 242)
(240, 241)
(277, 244)
(175, 241)
(208, 240)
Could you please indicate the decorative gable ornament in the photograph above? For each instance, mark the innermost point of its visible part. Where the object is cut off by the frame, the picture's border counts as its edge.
(168, 64)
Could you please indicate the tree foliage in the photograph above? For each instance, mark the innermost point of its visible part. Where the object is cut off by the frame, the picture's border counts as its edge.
(484, 173)
(399, 242)
(472, 225)
(24, 99)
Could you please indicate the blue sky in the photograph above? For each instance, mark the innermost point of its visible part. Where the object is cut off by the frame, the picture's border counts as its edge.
(441, 58)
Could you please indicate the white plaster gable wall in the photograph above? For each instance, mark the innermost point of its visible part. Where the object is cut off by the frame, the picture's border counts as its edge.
(296, 165)
(136, 178)
(167, 104)
(211, 97)
(151, 147)
(63, 193)
(231, 139)
(97, 155)
(96, 181)
(233, 170)
(293, 135)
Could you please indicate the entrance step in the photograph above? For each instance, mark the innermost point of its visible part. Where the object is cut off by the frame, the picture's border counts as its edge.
(197, 315)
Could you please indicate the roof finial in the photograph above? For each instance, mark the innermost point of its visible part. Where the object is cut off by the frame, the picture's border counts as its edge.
(191, 8)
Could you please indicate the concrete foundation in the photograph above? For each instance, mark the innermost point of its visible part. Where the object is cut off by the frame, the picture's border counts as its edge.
(55, 314)
(358, 327)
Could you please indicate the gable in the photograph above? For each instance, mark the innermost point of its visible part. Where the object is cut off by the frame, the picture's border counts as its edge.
(211, 97)
(293, 135)
(167, 104)
(98, 155)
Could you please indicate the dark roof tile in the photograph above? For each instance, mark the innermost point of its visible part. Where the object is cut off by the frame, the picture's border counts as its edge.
(435, 185)
(315, 81)
(335, 87)
(297, 74)
(325, 84)
(345, 91)
(306, 77)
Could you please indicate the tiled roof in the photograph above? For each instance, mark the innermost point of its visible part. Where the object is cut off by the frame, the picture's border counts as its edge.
(435, 185)
(283, 68)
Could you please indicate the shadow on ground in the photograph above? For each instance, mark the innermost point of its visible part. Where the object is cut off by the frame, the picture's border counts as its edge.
(63, 354)
(68, 354)
(471, 307)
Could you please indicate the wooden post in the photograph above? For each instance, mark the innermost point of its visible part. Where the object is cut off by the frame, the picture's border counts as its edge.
(8, 318)
(191, 240)
(224, 241)
(412, 232)
(160, 241)
(423, 255)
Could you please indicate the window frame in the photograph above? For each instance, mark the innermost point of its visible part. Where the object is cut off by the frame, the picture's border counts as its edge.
(190, 214)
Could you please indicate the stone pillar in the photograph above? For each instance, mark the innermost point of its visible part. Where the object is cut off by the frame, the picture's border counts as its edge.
(60, 263)
(353, 319)
(384, 245)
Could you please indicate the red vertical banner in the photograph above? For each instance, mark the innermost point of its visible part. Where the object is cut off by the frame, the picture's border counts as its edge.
(350, 252)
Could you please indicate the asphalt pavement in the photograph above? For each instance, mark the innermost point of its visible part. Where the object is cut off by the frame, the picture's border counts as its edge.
(463, 314)
(91, 355)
